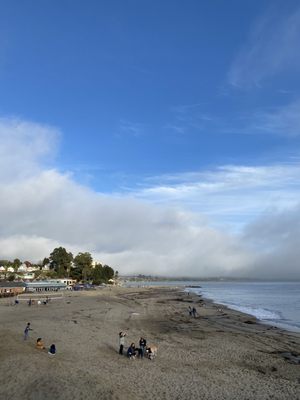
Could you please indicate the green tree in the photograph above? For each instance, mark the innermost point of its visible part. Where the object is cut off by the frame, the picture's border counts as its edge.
(108, 273)
(61, 261)
(97, 274)
(45, 261)
(83, 265)
(16, 264)
(102, 274)
(11, 277)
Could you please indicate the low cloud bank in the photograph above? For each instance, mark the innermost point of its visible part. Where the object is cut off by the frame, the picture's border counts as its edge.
(42, 208)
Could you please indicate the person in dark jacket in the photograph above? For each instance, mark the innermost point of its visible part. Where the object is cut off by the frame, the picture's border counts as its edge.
(143, 343)
(131, 352)
(52, 350)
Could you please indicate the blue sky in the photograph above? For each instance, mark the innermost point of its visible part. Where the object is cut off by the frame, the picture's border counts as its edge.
(190, 106)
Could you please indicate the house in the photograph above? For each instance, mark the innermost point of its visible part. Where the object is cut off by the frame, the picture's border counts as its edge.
(68, 281)
(11, 288)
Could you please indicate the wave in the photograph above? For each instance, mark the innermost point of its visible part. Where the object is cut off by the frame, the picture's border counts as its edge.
(263, 314)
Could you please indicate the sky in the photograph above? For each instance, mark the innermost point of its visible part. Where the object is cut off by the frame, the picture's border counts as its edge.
(162, 137)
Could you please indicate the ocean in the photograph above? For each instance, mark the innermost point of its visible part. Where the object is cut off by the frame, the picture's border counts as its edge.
(274, 303)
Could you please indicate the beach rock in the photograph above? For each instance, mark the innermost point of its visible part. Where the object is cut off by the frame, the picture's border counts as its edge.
(249, 321)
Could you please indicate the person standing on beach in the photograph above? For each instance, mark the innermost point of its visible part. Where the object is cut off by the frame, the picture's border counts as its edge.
(121, 342)
(194, 311)
(143, 344)
(26, 331)
(190, 311)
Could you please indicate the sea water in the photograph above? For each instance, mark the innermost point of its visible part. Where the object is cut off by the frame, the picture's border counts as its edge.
(275, 303)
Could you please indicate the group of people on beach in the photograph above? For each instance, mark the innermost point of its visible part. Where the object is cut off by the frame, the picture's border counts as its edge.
(39, 302)
(132, 352)
(192, 312)
(39, 343)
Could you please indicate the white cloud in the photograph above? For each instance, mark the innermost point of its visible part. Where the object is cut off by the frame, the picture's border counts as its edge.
(24, 146)
(273, 47)
(283, 121)
(230, 194)
(131, 128)
(43, 208)
(276, 237)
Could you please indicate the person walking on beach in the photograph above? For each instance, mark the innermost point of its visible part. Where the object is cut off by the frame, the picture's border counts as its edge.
(121, 342)
(190, 311)
(194, 311)
(26, 331)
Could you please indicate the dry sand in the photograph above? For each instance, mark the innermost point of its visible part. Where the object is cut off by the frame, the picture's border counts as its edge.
(219, 355)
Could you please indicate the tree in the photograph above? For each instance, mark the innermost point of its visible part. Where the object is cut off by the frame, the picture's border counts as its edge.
(45, 261)
(108, 273)
(102, 274)
(11, 277)
(83, 265)
(61, 261)
(97, 275)
(16, 264)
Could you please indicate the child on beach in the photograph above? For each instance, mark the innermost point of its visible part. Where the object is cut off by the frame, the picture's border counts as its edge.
(26, 331)
(52, 350)
(39, 344)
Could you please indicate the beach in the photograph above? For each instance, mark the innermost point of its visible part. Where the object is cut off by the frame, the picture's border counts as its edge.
(220, 354)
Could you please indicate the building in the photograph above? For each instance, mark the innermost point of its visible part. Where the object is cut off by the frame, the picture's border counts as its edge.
(68, 281)
(11, 288)
(44, 286)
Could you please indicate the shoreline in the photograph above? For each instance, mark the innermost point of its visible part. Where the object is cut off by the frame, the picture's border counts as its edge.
(273, 323)
(220, 354)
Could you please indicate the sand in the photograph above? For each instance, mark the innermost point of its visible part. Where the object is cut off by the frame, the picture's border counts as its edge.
(221, 354)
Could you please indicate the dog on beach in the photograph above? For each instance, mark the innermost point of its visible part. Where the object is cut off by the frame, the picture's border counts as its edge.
(151, 351)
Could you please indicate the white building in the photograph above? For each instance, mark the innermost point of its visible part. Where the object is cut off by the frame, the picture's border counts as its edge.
(67, 281)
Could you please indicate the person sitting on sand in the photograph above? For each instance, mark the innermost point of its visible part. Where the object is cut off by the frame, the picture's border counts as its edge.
(52, 350)
(39, 344)
(131, 352)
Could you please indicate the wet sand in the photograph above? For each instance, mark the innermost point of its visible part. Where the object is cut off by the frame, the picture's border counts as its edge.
(221, 354)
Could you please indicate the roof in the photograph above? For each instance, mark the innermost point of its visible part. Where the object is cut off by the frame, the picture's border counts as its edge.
(7, 284)
(43, 284)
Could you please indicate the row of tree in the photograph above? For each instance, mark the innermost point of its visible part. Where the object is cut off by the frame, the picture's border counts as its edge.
(80, 267)
(62, 264)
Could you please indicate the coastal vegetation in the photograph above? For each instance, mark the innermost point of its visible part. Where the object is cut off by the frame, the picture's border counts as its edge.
(60, 264)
